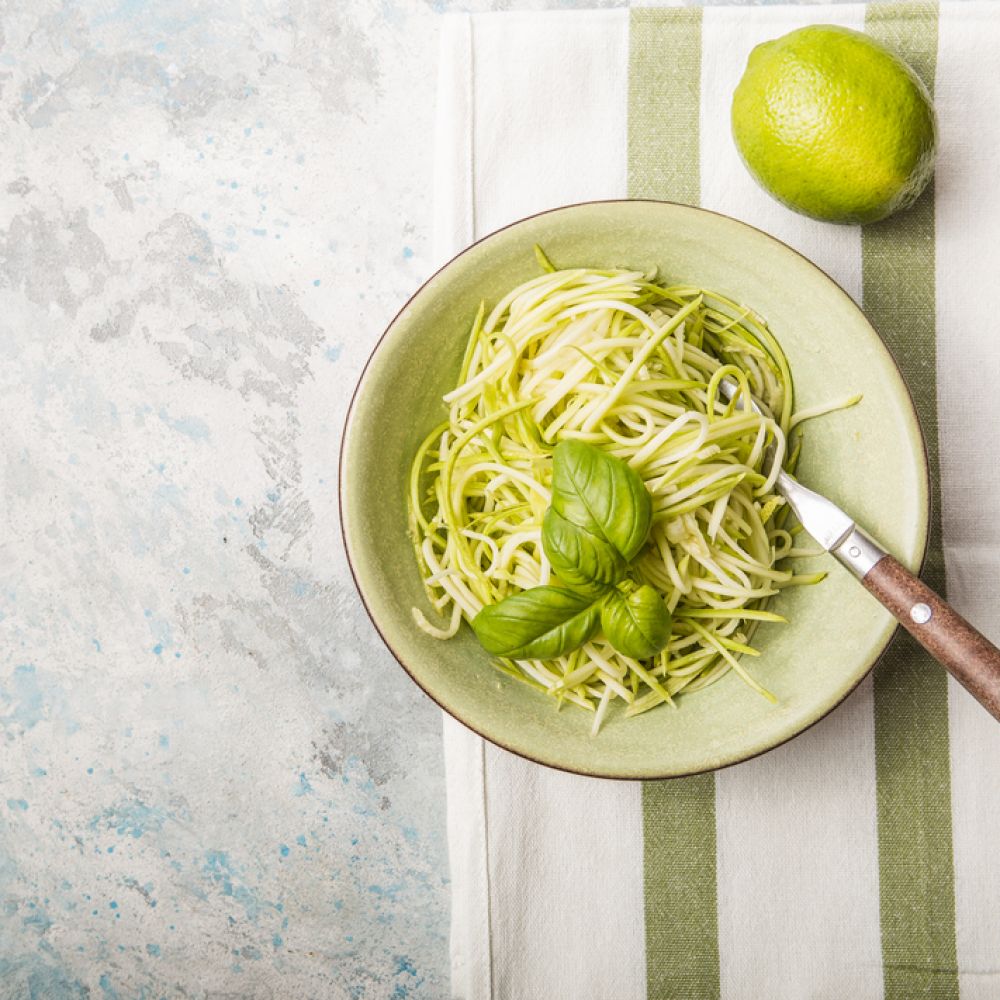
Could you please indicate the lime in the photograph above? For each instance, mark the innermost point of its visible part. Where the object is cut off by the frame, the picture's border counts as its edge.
(834, 125)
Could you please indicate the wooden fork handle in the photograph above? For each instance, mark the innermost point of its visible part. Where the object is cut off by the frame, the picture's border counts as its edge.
(962, 650)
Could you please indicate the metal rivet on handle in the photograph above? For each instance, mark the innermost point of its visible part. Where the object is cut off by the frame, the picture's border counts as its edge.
(920, 613)
(854, 551)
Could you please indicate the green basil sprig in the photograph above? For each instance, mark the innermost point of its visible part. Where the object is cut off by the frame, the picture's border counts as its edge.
(581, 560)
(602, 495)
(597, 524)
(537, 624)
(635, 621)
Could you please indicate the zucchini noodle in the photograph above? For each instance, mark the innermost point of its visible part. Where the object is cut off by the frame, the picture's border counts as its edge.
(633, 366)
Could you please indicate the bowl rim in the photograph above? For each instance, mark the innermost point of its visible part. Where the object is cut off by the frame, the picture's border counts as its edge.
(875, 657)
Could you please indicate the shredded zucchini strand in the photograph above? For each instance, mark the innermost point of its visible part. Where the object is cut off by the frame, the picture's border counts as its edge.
(633, 366)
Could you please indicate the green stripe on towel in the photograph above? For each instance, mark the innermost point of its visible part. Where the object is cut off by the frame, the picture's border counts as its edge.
(664, 104)
(682, 927)
(916, 870)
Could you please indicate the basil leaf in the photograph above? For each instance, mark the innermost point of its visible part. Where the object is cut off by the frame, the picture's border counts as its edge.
(537, 624)
(636, 621)
(602, 495)
(580, 560)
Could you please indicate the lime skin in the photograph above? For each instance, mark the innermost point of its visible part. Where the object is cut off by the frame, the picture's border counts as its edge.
(834, 125)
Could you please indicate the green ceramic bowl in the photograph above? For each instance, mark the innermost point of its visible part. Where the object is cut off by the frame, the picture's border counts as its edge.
(870, 459)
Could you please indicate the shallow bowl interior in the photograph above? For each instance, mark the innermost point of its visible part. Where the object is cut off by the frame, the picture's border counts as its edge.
(869, 458)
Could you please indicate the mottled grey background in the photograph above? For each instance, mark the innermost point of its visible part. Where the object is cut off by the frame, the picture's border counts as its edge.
(214, 781)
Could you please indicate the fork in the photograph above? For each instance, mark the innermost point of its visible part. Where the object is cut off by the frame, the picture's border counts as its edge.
(958, 646)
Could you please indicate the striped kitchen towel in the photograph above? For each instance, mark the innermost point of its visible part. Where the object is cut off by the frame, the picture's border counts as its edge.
(862, 860)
